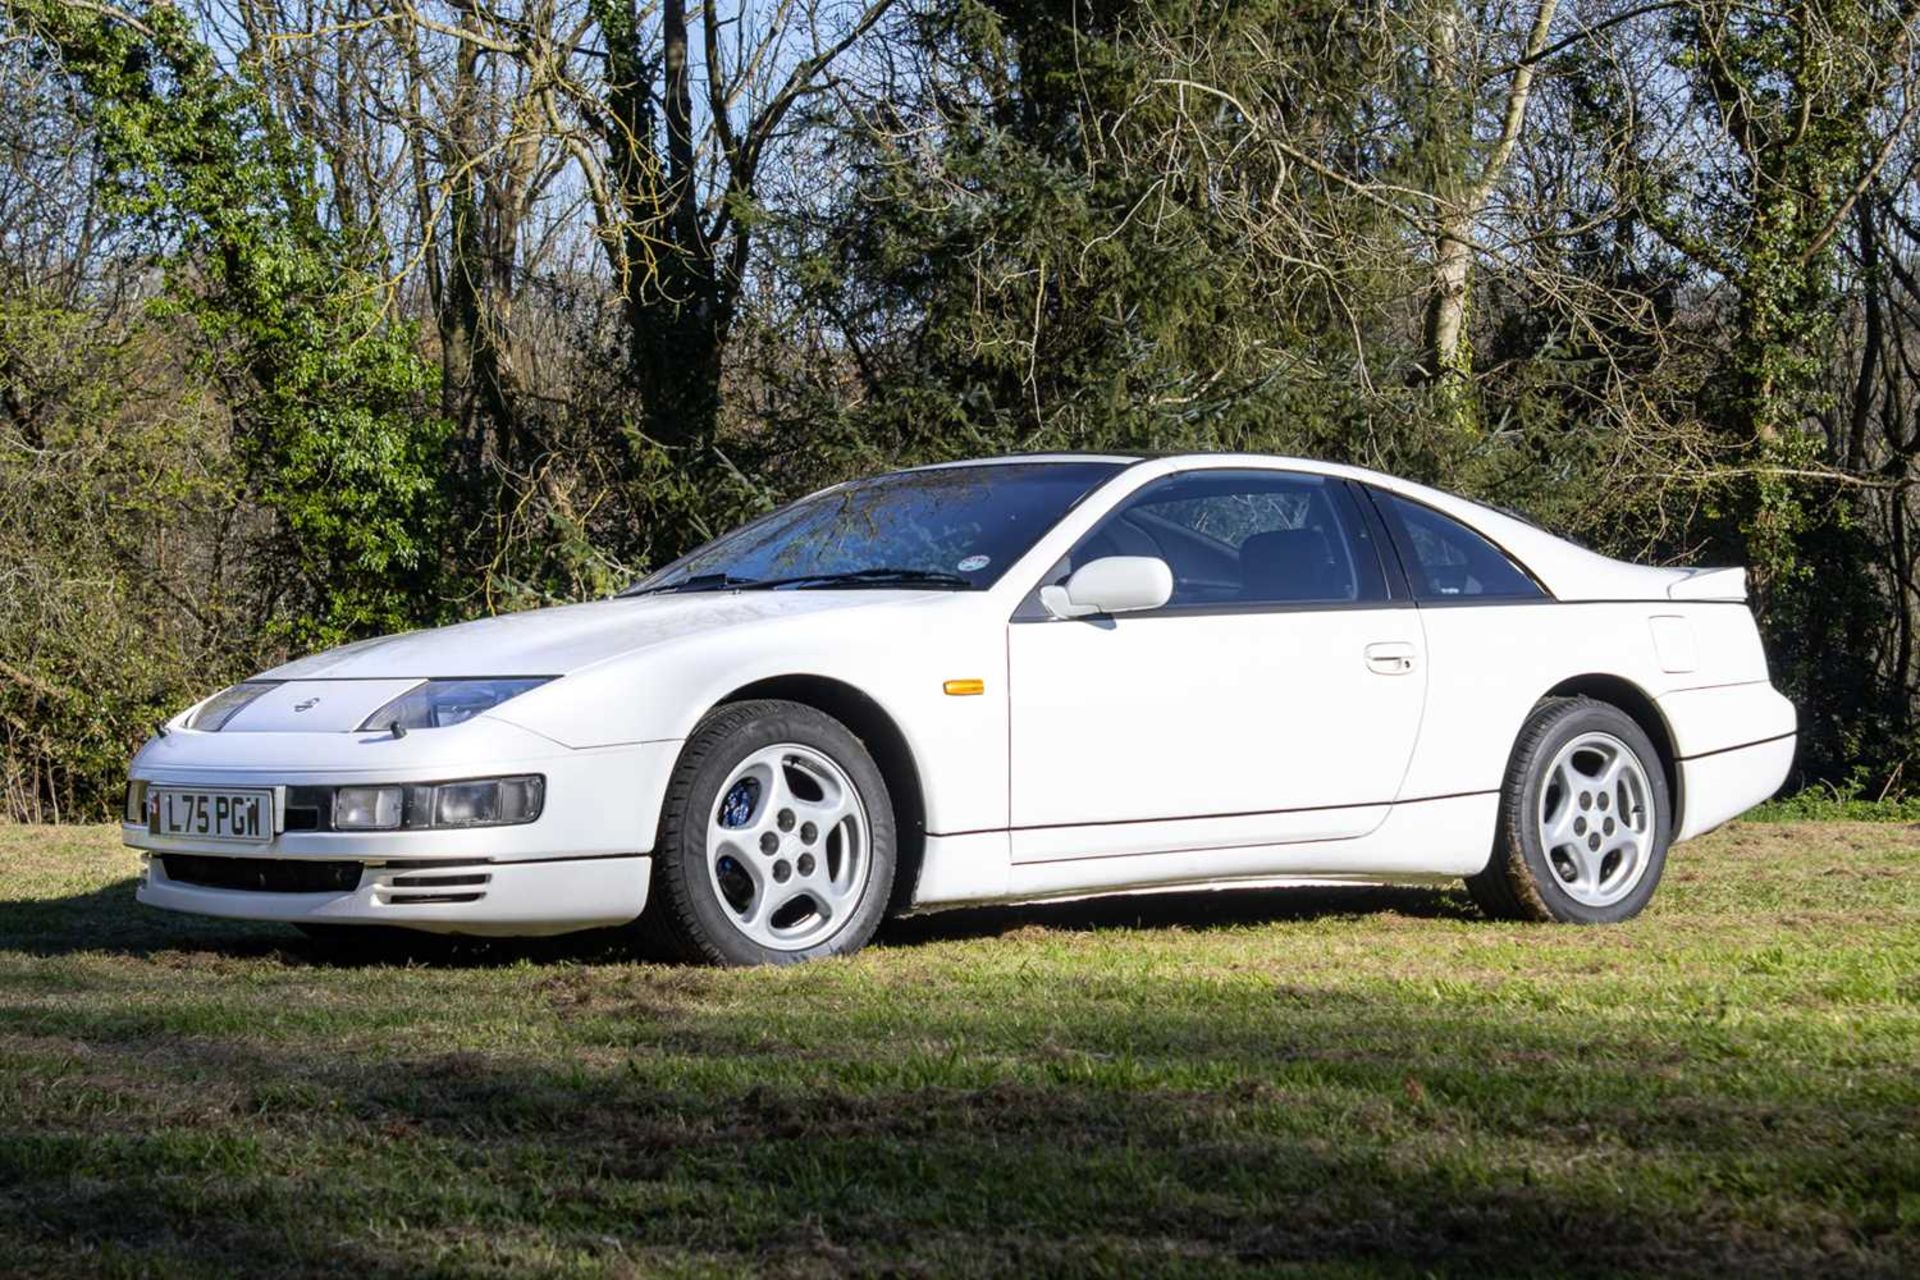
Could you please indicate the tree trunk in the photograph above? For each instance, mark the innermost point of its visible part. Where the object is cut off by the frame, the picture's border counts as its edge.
(1461, 194)
(472, 333)
(677, 361)
(676, 308)
(1448, 364)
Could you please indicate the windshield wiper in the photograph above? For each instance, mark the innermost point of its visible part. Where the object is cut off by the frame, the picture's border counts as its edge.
(881, 577)
(698, 582)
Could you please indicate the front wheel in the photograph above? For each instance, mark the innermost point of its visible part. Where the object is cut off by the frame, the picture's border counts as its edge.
(1584, 819)
(776, 842)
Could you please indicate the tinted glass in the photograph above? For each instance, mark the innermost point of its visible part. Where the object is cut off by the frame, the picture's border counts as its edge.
(1449, 561)
(1246, 537)
(960, 527)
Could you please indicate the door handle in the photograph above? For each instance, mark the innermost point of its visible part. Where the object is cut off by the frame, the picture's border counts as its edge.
(1390, 657)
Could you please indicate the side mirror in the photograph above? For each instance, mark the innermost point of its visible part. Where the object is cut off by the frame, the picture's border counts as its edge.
(1113, 584)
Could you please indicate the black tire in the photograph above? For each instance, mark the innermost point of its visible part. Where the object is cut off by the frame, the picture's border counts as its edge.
(685, 914)
(1520, 882)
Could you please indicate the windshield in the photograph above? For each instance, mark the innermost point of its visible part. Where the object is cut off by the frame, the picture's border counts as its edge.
(957, 528)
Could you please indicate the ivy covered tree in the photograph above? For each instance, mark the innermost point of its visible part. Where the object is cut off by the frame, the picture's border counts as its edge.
(1807, 106)
(326, 387)
(1051, 239)
(1798, 95)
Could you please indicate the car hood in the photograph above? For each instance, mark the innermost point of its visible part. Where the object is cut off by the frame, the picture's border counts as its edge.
(563, 640)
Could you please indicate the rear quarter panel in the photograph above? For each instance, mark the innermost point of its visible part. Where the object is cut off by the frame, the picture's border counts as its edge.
(1491, 663)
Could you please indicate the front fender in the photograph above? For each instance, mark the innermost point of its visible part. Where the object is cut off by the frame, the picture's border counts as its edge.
(899, 658)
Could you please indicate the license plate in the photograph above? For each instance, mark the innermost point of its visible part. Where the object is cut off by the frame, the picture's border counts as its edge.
(245, 816)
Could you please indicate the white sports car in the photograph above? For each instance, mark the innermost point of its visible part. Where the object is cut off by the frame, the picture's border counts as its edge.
(998, 681)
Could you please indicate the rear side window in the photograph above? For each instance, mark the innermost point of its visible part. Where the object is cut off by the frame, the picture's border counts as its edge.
(1246, 538)
(1448, 561)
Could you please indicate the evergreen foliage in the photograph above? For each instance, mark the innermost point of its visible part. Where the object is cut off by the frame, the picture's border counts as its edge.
(314, 330)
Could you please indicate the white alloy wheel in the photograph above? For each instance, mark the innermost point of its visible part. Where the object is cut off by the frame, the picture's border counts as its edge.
(1584, 818)
(1596, 819)
(777, 840)
(788, 847)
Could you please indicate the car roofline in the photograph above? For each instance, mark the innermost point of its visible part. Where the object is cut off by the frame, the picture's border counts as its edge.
(1486, 519)
(1011, 459)
(1470, 510)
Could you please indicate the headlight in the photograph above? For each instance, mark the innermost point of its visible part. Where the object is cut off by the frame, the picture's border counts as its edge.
(368, 808)
(477, 802)
(227, 704)
(490, 802)
(439, 703)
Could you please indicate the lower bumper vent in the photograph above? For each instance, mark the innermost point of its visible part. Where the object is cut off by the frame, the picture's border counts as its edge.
(425, 883)
(261, 875)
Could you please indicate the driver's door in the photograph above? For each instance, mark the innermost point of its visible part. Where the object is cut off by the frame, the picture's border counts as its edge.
(1275, 698)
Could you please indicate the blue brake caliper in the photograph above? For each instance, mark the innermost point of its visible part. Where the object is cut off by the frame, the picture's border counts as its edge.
(737, 808)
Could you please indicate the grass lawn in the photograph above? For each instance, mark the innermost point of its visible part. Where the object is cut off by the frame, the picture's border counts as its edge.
(1307, 1082)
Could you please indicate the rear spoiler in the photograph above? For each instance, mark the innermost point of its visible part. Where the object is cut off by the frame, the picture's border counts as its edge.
(1708, 584)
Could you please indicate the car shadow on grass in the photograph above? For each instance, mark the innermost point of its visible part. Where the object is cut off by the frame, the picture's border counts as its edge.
(1187, 910)
(110, 920)
(667, 1132)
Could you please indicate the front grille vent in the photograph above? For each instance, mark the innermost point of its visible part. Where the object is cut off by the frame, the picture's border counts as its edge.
(424, 883)
(261, 875)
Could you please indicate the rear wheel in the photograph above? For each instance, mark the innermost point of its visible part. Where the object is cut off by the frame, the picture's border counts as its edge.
(1584, 819)
(776, 842)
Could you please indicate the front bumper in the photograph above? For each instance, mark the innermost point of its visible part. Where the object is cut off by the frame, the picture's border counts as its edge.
(441, 896)
(581, 864)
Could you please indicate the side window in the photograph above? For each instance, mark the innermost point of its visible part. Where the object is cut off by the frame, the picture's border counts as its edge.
(1448, 561)
(1246, 537)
